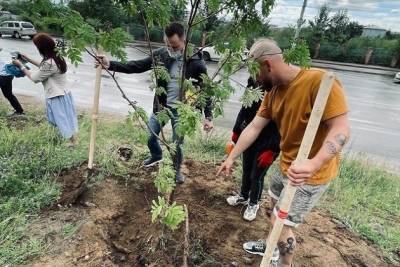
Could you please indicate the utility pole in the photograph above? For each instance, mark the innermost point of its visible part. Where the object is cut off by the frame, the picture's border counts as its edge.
(300, 21)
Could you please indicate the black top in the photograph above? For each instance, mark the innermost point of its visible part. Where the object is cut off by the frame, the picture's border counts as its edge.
(269, 137)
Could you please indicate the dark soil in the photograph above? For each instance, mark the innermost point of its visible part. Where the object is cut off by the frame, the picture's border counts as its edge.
(115, 229)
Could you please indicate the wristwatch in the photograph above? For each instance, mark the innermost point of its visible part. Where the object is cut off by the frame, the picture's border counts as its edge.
(23, 68)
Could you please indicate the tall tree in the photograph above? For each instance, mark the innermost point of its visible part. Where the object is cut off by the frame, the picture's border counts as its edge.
(319, 27)
(107, 12)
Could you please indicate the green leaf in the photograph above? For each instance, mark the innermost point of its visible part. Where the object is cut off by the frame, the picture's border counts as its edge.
(165, 179)
(163, 116)
(298, 54)
(174, 216)
(250, 96)
(188, 120)
(253, 68)
(139, 114)
(157, 208)
(160, 73)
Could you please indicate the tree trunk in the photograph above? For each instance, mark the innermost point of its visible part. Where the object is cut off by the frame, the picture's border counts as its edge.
(395, 61)
(203, 38)
(368, 55)
(317, 49)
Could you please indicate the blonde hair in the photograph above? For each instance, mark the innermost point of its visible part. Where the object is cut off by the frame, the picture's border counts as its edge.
(264, 47)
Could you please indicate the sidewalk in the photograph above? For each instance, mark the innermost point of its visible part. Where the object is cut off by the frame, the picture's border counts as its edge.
(369, 69)
(343, 66)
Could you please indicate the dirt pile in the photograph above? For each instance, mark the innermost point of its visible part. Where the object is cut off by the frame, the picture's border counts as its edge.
(115, 228)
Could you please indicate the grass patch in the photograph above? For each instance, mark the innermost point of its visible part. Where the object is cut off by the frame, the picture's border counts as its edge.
(367, 199)
(32, 154)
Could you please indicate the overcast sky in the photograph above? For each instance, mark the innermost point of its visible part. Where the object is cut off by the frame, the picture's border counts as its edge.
(382, 13)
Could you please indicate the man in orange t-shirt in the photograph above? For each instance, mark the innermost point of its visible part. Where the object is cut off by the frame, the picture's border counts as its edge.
(289, 105)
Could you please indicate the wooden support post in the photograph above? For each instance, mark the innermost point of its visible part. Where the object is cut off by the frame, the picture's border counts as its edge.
(302, 156)
(95, 112)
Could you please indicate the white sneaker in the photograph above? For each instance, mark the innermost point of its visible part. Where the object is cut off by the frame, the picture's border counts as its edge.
(251, 212)
(237, 200)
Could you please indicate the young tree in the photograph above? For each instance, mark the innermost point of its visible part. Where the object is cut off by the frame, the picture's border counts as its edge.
(245, 15)
(319, 27)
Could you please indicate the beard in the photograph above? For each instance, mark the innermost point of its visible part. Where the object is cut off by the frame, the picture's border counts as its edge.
(266, 85)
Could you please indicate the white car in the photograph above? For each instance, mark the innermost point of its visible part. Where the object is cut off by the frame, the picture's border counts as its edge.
(209, 54)
(397, 78)
(17, 29)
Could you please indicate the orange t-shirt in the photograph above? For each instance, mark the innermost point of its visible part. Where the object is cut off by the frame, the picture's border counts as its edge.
(290, 108)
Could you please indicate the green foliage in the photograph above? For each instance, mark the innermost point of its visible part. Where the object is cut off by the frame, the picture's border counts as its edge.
(139, 114)
(319, 26)
(188, 120)
(298, 54)
(170, 215)
(253, 68)
(160, 73)
(105, 12)
(163, 116)
(113, 41)
(250, 96)
(165, 178)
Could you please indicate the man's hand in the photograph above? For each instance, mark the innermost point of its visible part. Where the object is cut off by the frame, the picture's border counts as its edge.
(299, 174)
(17, 63)
(226, 167)
(104, 61)
(208, 125)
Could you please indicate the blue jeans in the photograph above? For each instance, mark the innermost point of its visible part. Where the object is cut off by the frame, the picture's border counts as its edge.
(153, 144)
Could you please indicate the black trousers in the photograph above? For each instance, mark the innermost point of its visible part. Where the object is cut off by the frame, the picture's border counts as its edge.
(6, 88)
(253, 175)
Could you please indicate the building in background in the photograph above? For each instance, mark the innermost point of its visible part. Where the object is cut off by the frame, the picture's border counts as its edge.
(373, 32)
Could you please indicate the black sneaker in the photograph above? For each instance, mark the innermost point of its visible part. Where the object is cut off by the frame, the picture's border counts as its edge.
(258, 248)
(150, 162)
(180, 178)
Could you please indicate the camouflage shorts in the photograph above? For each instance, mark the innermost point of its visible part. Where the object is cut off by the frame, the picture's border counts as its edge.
(305, 199)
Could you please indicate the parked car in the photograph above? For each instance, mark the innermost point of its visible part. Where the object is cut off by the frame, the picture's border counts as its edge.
(397, 78)
(209, 53)
(17, 29)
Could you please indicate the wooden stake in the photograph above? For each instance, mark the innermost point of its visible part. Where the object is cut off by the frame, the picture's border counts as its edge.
(186, 241)
(302, 156)
(95, 112)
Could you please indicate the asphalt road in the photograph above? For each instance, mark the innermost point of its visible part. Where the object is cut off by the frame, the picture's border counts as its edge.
(374, 100)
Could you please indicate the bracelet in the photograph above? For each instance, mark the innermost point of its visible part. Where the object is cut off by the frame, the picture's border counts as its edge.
(23, 68)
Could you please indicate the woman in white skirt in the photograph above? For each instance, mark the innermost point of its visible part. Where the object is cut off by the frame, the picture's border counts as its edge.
(60, 107)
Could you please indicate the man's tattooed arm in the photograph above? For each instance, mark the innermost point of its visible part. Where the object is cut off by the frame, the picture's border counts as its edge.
(335, 147)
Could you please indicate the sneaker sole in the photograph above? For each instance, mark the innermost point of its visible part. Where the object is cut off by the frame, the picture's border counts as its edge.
(276, 258)
(254, 253)
(249, 220)
(153, 164)
(237, 204)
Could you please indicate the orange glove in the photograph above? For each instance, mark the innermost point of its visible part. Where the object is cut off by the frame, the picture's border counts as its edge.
(229, 147)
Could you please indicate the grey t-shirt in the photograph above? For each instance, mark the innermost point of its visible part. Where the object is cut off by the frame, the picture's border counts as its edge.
(173, 85)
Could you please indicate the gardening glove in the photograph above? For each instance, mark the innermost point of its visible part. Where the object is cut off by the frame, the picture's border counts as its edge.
(266, 158)
(231, 144)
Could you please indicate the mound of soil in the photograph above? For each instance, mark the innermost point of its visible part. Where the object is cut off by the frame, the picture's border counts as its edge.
(115, 228)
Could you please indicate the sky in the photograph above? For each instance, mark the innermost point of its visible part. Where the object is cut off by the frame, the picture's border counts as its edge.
(382, 13)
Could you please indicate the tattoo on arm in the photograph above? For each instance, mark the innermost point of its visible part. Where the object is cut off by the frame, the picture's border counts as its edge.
(341, 139)
(331, 148)
(287, 247)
